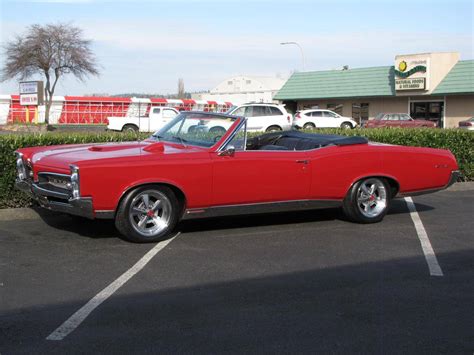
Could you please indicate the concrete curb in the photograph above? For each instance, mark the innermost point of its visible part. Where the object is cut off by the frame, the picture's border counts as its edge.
(30, 213)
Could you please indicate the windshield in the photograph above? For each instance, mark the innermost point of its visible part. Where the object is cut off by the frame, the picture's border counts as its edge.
(195, 128)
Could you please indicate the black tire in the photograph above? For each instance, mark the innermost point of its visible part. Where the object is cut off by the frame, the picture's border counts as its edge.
(360, 207)
(273, 129)
(346, 125)
(309, 125)
(129, 128)
(127, 222)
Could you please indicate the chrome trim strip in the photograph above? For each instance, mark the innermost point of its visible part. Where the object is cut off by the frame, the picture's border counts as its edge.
(37, 190)
(105, 214)
(256, 208)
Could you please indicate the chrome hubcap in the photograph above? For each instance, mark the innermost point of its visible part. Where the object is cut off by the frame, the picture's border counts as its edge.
(371, 197)
(150, 212)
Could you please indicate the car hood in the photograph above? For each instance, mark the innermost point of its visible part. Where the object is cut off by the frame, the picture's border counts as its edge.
(60, 157)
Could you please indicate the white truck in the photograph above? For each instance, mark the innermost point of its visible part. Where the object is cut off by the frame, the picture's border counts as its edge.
(157, 118)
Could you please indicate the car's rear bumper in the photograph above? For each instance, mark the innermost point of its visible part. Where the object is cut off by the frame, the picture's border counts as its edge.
(57, 201)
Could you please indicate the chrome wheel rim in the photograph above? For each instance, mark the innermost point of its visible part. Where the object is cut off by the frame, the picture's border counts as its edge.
(150, 213)
(371, 197)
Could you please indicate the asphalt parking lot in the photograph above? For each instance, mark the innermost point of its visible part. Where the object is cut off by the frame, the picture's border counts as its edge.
(286, 283)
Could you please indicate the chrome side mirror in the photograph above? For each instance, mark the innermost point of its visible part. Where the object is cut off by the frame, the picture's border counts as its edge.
(228, 152)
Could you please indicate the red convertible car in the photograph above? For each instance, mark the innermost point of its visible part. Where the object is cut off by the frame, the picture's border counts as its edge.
(186, 170)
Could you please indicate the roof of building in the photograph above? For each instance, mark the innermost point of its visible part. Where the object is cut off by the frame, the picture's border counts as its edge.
(460, 80)
(360, 82)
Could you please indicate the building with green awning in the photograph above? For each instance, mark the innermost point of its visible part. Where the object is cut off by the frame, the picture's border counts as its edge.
(433, 86)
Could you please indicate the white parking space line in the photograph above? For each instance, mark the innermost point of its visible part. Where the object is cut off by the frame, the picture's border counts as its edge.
(77, 318)
(430, 256)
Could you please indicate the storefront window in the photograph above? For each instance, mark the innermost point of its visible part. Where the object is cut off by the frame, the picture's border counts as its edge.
(430, 110)
(360, 112)
(336, 108)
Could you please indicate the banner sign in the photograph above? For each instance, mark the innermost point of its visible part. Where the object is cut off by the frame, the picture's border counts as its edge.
(417, 69)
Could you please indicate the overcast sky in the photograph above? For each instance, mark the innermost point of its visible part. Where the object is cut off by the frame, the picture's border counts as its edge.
(145, 46)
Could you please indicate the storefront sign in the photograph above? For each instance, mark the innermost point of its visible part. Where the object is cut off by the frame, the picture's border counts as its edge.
(412, 72)
(410, 84)
(31, 93)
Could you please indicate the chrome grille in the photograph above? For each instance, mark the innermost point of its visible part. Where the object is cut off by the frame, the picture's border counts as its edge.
(55, 182)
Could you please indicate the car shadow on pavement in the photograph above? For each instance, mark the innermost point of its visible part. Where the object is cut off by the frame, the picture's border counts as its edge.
(103, 228)
(281, 218)
(96, 228)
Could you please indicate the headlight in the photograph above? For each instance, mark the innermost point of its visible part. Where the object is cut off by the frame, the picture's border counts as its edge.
(20, 166)
(75, 181)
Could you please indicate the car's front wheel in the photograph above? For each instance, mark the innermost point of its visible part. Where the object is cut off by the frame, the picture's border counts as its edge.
(148, 214)
(346, 125)
(367, 201)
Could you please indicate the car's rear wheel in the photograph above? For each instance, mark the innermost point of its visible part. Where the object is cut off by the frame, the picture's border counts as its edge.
(346, 125)
(148, 214)
(367, 201)
(273, 129)
(309, 125)
(129, 128)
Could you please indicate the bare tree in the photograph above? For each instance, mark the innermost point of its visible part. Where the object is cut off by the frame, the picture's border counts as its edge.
(51, 50)
(181, 93)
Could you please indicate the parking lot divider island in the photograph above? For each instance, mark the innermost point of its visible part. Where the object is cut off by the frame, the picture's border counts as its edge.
(460, 143)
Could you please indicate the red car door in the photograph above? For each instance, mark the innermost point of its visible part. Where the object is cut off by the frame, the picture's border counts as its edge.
(260, 176)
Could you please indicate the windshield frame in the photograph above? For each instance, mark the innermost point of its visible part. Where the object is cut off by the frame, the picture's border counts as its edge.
(157, 136)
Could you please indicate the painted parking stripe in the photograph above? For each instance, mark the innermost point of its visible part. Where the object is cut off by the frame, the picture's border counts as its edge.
(430, 256)
(77, 318)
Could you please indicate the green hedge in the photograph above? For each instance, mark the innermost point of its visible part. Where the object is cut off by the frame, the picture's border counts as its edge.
(461, 143)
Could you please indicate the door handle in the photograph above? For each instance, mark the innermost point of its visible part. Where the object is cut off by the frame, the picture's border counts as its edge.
(302, 161)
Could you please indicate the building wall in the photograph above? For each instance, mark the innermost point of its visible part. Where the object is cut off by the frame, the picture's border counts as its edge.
(458, 108)
(376, 105)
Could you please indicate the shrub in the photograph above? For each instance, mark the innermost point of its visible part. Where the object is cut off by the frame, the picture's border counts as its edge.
(11, 197)
(461, 144)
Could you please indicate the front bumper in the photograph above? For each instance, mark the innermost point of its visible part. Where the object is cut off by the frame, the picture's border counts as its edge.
(57, 201)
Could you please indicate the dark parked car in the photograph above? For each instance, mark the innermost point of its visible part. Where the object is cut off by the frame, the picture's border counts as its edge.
(397, 120)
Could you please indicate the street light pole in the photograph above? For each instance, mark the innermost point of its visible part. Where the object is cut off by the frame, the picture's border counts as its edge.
(301, 49)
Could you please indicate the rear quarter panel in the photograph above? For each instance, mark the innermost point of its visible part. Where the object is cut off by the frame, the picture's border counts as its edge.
(335, 169)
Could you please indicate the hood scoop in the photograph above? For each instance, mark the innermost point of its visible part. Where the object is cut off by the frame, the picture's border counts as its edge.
(111, 148)
(155, 147)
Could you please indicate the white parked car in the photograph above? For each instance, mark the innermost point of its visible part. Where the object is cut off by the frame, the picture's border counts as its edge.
(316, 118)
(157, 118)
(264, 117)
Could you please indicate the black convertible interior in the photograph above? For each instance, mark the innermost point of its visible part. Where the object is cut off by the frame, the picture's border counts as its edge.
(294, 140)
